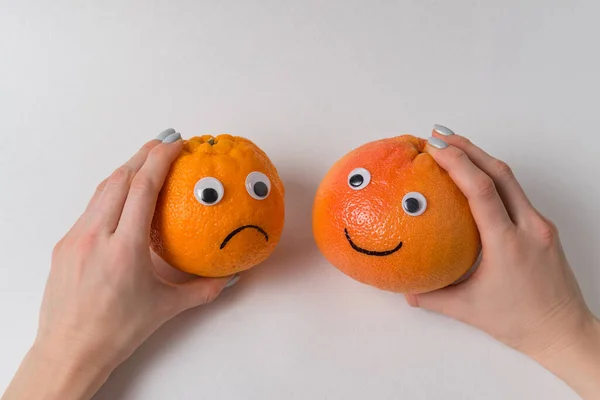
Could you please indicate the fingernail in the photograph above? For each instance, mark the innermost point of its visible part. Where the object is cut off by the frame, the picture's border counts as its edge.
(442, 130)
(172, 138)
(437, 143)
(232, 281)
(164, 134)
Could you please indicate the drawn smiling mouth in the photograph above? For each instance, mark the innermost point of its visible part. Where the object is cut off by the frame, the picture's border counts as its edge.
(371, 252)
(241, 228)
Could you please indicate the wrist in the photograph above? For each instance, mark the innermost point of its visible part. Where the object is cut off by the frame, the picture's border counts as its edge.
(78, 350)
(70, 362)
(58, 375)
(577, 360)
(558, 329)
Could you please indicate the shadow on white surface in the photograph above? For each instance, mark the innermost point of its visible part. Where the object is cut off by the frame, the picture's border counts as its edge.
(283, 268)
(294, 258)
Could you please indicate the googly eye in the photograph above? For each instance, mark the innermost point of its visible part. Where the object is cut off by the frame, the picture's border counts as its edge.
(414, 204)
(209, 191)
(359, 178)
(258, 185)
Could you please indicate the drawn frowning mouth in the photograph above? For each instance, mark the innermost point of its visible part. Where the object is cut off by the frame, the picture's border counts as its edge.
(371, 252)
(241, 228)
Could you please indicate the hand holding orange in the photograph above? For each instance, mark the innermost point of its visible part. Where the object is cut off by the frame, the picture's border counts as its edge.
(221, 209)
(387, 215)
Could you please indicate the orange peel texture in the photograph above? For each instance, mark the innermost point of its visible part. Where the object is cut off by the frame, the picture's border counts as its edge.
(221, 209)
(387, 215)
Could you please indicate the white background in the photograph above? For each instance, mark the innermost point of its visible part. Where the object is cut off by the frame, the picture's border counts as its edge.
(83, 84)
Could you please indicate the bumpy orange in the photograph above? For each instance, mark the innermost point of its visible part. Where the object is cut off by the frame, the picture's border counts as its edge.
(221, 209)
(387, 215)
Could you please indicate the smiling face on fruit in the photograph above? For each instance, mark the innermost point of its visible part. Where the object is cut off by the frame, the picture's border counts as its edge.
(221, 209)
(388, 216)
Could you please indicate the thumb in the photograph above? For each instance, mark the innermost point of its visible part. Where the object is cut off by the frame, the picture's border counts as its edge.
(200, 291)
(450, 301)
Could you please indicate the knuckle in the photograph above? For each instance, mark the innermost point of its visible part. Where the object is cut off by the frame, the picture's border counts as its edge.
(547, 232)
(86, 243)
(485, 187)
(162, 154)
(552, 226)
(123, 174)
(147, 147)
(57, 248)
(66, 243)
(211, 295)
(141, 184)
(157, 151)
(102, 185)
(459, 156)
(502, 169)
(462, 141)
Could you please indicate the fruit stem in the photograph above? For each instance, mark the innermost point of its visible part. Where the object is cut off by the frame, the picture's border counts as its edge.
(211, 141)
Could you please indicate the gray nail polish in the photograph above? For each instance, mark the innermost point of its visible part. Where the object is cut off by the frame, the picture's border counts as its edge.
(442, 130)
(164, 134)
(437, 143)
(232, 281)
(172, 138)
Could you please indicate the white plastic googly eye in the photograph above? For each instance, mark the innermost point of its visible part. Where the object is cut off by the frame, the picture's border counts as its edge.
(209, 191)
(258, 185)
(414, 204)
(359, 178)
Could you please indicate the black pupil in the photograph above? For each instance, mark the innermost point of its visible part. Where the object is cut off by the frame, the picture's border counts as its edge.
(412, 205)
(356, 180)
(261, 189)
(210, 195)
